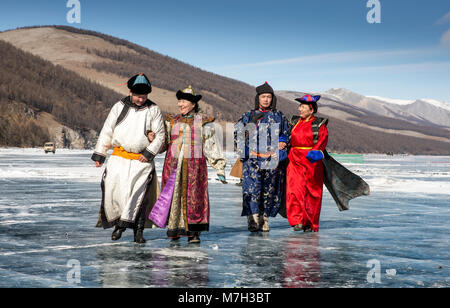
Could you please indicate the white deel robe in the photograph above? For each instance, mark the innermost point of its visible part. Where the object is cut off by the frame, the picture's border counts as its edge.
(125, 180)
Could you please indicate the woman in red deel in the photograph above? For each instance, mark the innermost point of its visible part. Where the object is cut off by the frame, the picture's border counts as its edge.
(309, 137)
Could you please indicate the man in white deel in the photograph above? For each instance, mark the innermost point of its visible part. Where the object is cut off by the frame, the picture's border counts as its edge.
(130, 171)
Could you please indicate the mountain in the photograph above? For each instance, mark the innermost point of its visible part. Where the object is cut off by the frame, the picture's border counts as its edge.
(425, 112)
(443, 105)
(99, 65)
(408, 119)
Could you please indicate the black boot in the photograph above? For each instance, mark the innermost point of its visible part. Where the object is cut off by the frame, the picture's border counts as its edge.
(140, 225)
(117, 233)
(194, 238)
(139, 234)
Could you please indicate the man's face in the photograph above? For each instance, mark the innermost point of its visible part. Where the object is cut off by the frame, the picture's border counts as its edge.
(265, 100)
(138, 99)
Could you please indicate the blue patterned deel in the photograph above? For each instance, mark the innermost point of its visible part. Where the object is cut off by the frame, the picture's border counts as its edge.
(262, 175)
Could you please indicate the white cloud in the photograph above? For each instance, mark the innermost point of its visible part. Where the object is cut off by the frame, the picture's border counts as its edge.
(444, 19)
(445, 39)
(339, 57)
(420, 67)
(407, 67)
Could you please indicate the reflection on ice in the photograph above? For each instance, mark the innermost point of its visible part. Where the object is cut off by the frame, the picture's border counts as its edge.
(125, 267)
(302, 263)
(49, 206)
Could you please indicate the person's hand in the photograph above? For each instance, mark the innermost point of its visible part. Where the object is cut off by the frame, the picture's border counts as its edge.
(151, 136)
(98, 164)
(222, 179)
(314, 156)
(142, 159)
(282, 145)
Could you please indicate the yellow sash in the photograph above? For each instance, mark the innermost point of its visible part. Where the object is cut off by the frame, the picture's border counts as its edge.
(303, 148)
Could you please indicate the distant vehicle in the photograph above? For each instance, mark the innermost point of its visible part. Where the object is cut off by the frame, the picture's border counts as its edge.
(49, 147)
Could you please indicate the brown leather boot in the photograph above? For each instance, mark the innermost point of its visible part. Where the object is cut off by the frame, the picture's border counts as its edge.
(264, 222)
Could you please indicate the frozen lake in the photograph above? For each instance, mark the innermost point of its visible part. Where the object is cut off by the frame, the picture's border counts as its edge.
(396, 237)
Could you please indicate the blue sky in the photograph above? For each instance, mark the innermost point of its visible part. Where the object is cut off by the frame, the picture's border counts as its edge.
(294, 45)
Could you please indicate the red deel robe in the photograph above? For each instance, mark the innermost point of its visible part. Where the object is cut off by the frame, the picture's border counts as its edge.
(305, 179)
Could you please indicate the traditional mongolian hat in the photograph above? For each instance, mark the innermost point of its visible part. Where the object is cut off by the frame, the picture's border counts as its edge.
(265, 88)
(139, 84)
(309, 100)
(189, 95)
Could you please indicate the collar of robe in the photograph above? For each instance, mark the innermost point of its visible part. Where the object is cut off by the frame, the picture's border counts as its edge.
(188, 115)
(262, 109)
(312, 118)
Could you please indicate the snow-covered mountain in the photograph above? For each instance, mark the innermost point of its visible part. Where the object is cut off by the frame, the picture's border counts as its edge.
(393, 100)
(421, 111)
(443, 105)
(415, 122)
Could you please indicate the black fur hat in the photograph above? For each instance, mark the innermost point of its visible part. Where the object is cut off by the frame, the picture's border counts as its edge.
(139, 84)
(265, 88)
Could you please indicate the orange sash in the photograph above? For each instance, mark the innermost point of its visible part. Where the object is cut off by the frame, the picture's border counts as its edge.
(124, 154)
(262, 155)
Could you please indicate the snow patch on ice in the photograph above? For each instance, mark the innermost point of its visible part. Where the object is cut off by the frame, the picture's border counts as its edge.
(408, 186)
(182, 253)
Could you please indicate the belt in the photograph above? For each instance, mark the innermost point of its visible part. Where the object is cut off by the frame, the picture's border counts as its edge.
(124, 154)
(303, 148)
(262, 155)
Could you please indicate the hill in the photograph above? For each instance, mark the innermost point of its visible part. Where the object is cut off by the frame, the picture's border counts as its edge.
(111, 61)
(37, 97)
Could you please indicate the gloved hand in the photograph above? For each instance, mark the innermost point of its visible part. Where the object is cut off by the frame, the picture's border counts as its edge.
(314, 156)
(222, 179)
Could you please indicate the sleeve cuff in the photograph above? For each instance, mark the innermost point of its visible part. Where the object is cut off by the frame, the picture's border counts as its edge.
(283, 138)
(149, 155)
(98, 157)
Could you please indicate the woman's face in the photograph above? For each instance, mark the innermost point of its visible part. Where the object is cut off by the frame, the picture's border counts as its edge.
(305, 111)
(185, 106)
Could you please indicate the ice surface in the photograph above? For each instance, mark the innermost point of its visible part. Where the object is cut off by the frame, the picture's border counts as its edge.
(49, 205)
